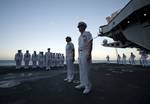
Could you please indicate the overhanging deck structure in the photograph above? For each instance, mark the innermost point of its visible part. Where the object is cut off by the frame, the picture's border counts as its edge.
(130, 27)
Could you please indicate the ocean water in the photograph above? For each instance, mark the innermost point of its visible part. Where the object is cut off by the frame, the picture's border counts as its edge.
(12, 62)
(7, 63)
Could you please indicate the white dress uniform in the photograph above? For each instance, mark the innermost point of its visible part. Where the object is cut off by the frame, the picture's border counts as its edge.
(84, 64)
(41, 60)
(107, 58)
(34, 60)
(118, 59)
(44, 63)
(48, 60)
(59, 61)
(56, 59)
(62, 60)
(144, 59)
(69, 61)
(52, 62)
(124, 59)
(132, 57)
(27, 58)
(18, 60)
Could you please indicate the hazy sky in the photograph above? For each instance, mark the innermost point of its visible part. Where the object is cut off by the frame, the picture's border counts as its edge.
(39, 24)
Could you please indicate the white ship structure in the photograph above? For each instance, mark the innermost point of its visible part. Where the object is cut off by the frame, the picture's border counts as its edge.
(129, 27)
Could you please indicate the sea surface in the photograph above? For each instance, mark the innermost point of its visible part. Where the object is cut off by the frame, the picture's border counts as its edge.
(12, 62)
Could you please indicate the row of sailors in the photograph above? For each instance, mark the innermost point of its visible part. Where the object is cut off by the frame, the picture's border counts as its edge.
(143, 59)
(49, 60)
(131, 59)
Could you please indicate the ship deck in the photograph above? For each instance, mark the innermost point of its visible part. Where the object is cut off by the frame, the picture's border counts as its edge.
(112, 84)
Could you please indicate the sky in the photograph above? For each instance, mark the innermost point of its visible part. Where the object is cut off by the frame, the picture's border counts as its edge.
(41, 24)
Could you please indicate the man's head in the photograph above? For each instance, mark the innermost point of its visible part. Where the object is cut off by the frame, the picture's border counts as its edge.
(27, 51)
(68, 39)
(82, 26)
(48, 49)
(19, 51)
(34, 52)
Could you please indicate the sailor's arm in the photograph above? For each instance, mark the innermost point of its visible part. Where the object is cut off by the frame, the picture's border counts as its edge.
(90, 46)
(73, 52)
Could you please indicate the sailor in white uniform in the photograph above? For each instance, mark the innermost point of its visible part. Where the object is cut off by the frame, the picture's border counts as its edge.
(48, 56)
(52, 60)
(143, 59)
(85, 48)
(27, 58)
(107, 58)
(44, 64)
(59, 61)
(18, 59)
(41, 60)
(132, 59)
(124, 59)
(62, 60)
(118, 59)
(70, 53)
(34, 60)
(56, 59)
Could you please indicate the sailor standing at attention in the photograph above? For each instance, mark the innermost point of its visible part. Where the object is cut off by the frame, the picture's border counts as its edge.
(70, 53)
(52, 60)
(132, 58)
(85, 43)
(18, 59)
(143, 59)
(48, 59)
(62, 60)
(124, 58)
(41, 60)
(119, 59)
(27, 58)
(107, 58)
(34, 60)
